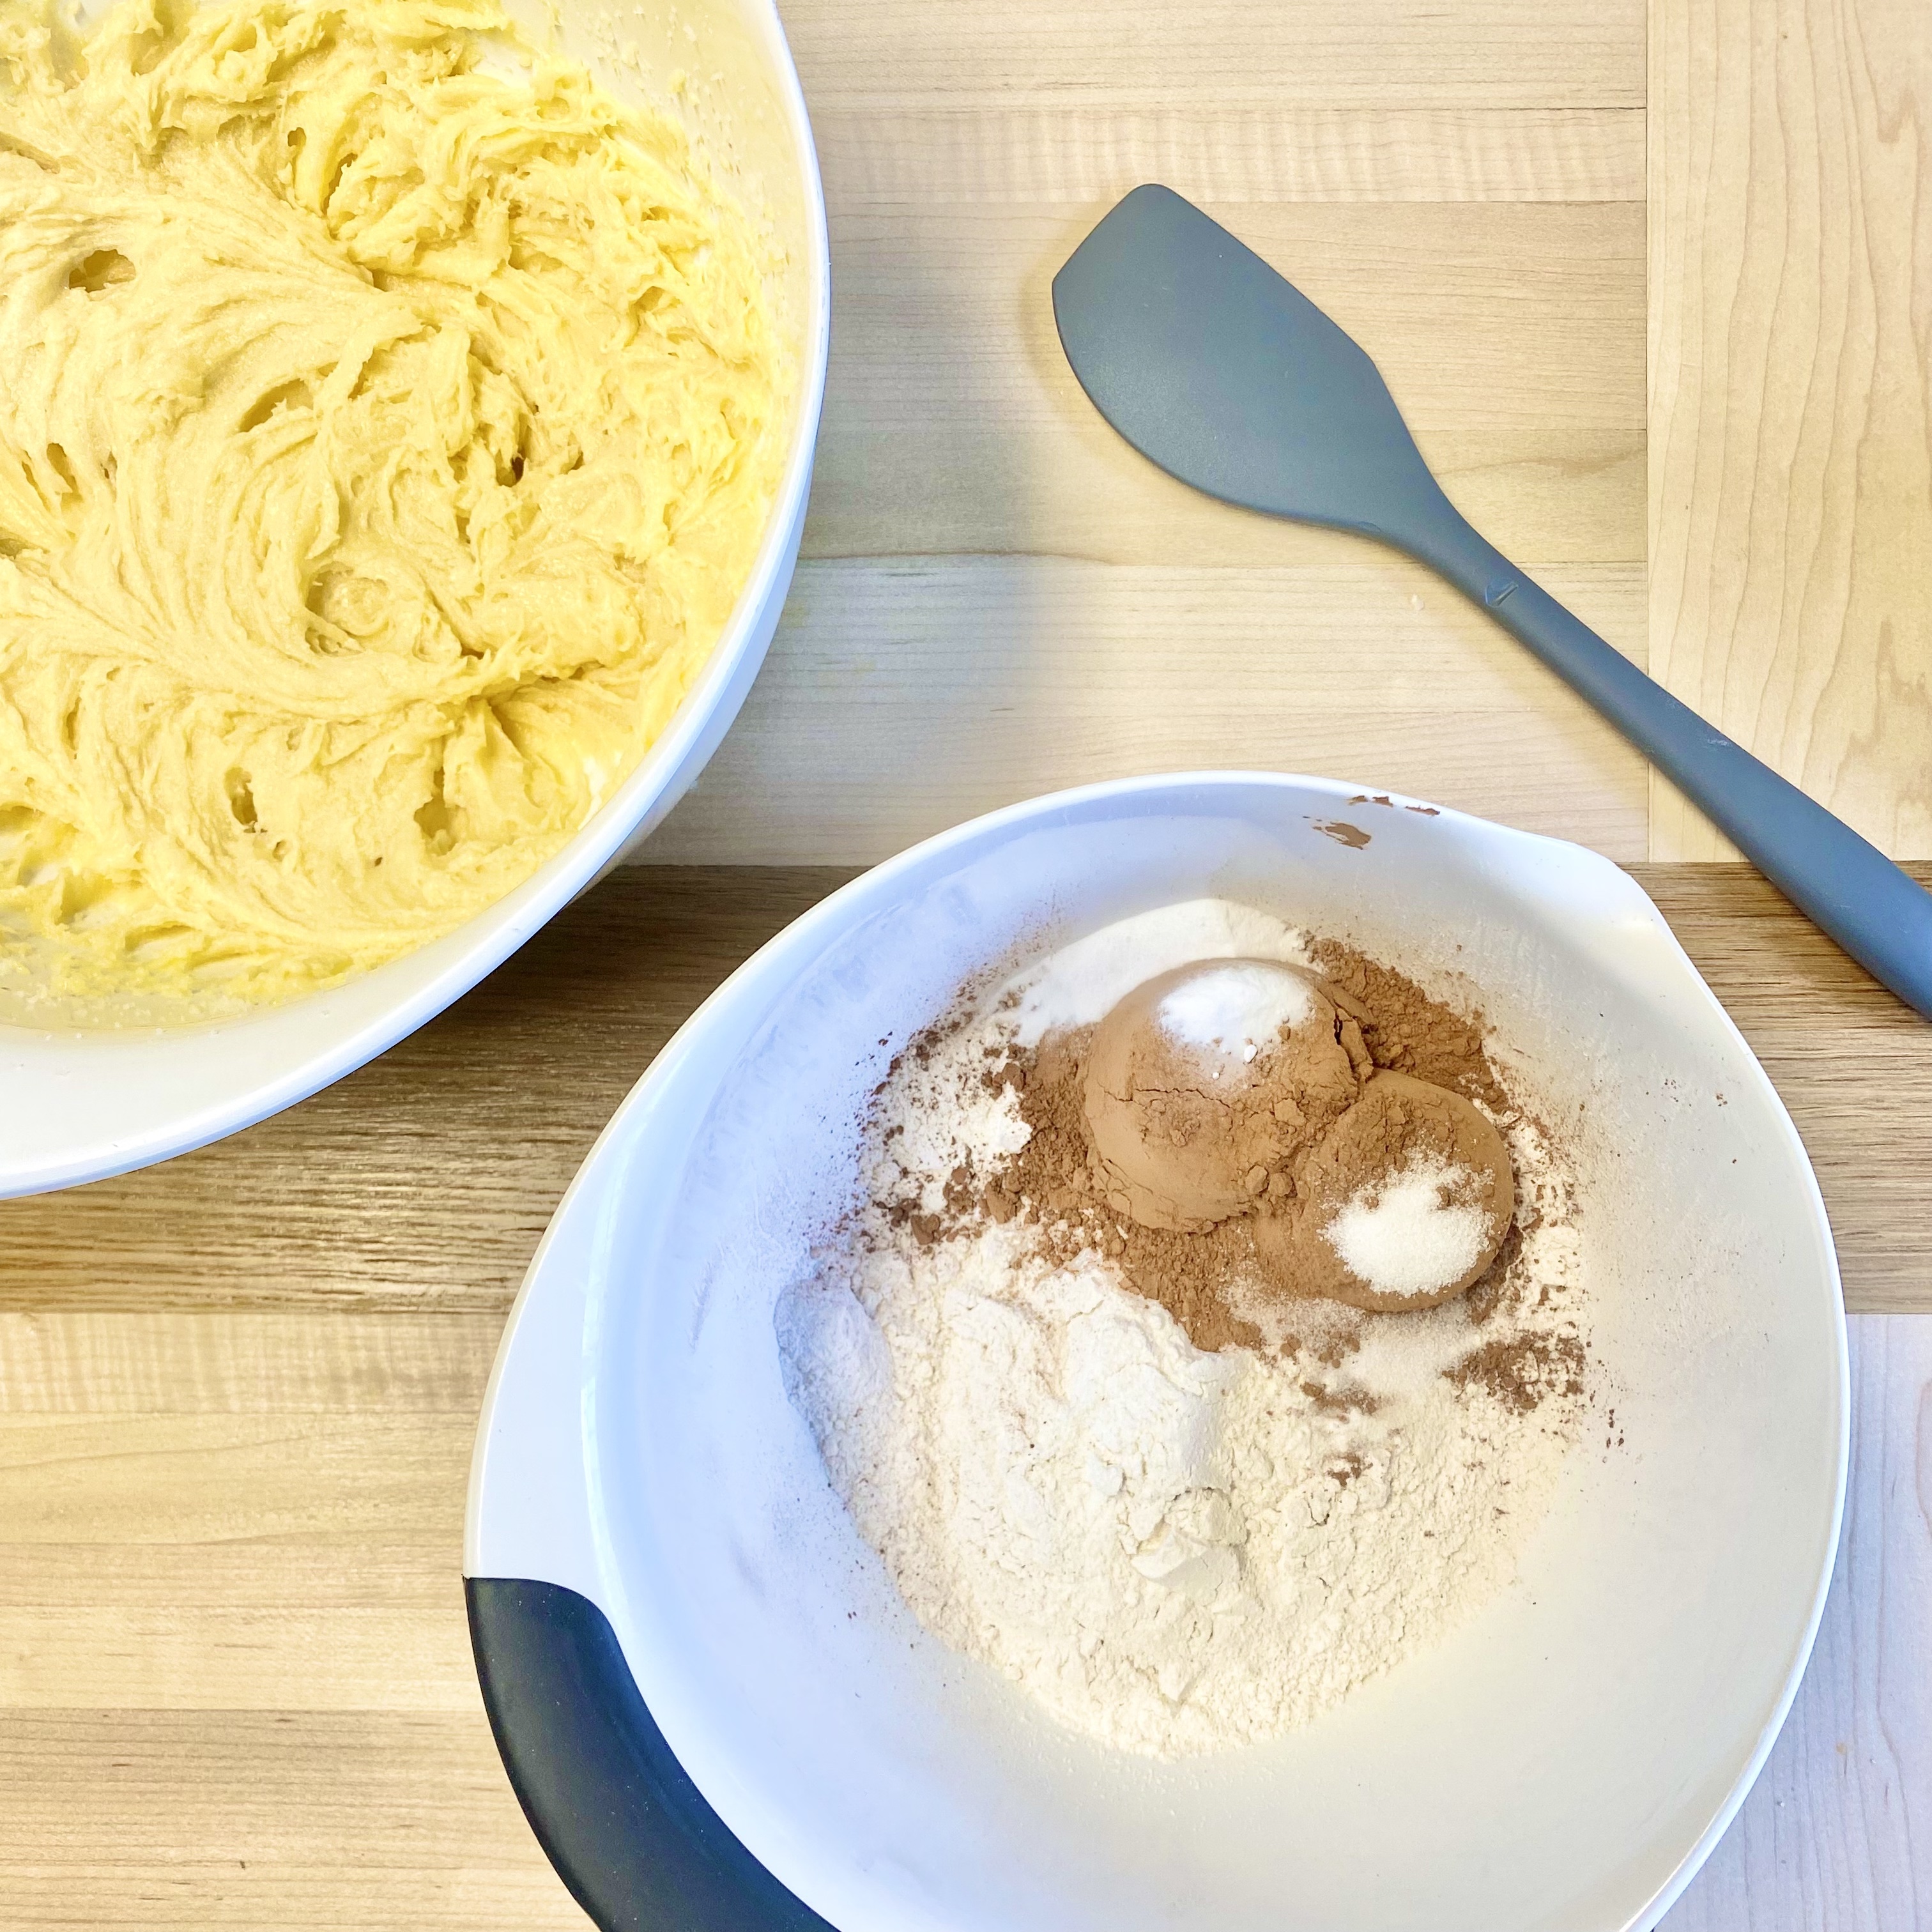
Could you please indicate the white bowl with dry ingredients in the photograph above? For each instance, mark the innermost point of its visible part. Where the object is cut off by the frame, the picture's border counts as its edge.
(1386, 1473)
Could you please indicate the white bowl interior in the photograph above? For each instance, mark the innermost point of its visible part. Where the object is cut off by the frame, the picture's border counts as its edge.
(83, 1104)
(1561, 1761)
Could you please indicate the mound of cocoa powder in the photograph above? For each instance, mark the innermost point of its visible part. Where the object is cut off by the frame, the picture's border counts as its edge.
(1056, 1183)
(1405, 1029)
(1055, 1187)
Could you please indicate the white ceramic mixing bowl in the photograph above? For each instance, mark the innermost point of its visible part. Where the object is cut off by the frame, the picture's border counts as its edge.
(75, 1106)
(649, 1515)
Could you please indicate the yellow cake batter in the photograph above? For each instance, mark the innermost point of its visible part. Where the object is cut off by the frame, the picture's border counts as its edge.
(384, 439)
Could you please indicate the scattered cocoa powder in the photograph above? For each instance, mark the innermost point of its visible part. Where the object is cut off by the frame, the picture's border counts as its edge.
(1340, 1401)
(1056, 1188)
(1343, 833)
(1406, 1030)
(1389, 1018)
(1523, 1372)
(1058, 1177)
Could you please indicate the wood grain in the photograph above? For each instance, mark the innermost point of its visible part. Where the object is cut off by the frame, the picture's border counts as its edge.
(1791, 398)
(246, 1714)
(1837, 1834)
(923, 152)
(999, 595)
(1852, 1063)
(1512, 334)
(63, 1360)
(1221, 54)
(289, 1819)
(422, 1182)
(904, 695)
(1461, 187)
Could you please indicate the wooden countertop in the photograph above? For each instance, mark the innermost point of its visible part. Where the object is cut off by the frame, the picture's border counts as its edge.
(237, 1393)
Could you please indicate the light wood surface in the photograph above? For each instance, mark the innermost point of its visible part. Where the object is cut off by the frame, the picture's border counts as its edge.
(255, 1708)
(1837, 1833)
(998, 596)
(237, 1395)
(1791, 398)
(953, 643)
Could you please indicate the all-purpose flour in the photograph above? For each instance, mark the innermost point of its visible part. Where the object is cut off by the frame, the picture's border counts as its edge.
(1172, 1550)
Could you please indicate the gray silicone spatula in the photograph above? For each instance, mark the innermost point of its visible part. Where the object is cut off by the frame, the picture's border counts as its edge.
(1209, 363)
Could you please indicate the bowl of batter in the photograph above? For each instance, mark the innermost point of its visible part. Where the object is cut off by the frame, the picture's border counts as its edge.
(1224, 1351)
(409, 416)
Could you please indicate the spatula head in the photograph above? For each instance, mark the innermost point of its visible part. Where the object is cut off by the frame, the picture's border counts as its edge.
(1229, 378)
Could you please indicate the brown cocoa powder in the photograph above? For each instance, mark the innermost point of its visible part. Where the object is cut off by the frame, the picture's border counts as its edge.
(1398, 1121)
(1057, 1189)
(1062, 1190)
(1523, 1372)
(1405, 1029)
(1196, 1275)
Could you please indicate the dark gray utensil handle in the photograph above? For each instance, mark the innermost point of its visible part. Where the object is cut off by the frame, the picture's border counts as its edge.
(1878, 913)
(627, 1830)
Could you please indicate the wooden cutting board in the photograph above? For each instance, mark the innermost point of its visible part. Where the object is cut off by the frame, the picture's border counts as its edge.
(237, 1393)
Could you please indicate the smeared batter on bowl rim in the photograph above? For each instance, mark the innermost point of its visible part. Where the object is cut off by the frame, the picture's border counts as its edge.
(391, 421)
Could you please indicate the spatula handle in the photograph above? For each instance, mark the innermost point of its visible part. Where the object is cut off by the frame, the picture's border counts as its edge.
(1878, 913)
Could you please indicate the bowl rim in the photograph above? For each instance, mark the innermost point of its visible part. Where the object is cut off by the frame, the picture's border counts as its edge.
(484, 941)
(775, 962)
